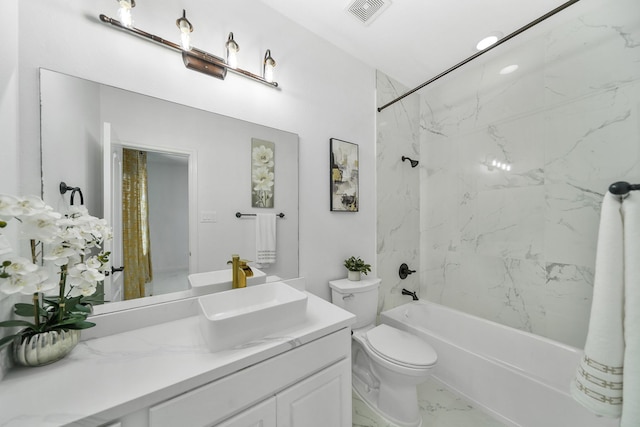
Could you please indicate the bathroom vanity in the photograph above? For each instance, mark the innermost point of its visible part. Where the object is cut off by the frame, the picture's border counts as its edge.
(164, 375)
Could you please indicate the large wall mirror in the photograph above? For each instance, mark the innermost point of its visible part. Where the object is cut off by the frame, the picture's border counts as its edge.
(198, 174)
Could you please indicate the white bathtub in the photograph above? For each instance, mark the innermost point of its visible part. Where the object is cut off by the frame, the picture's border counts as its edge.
(519, 378)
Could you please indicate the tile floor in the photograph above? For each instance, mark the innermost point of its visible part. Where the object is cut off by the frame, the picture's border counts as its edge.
(439, 407)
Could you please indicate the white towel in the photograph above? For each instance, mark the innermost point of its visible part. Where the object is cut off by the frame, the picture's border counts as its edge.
(265, 238)
(598, 382)
(631, 377)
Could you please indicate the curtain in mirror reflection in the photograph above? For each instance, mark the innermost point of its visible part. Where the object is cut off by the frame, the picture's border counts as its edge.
(135, 222)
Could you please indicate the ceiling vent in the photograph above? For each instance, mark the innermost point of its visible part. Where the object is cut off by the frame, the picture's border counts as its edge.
(366, 11)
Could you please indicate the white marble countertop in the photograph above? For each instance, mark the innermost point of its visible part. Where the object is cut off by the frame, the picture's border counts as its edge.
(105, 378)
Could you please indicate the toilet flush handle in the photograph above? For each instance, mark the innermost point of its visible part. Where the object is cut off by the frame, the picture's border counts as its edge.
(347, 296)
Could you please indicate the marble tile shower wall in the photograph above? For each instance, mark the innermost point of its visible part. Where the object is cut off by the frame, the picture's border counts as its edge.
(398, 192)
(518, 247)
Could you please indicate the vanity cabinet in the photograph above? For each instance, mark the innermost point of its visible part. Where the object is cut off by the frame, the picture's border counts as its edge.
(321, 400)
(317, 401)
(310, 384)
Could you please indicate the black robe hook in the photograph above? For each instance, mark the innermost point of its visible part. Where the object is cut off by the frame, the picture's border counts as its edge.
(64, 188)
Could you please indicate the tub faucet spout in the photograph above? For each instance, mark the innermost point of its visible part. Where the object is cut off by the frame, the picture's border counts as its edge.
(413, 294)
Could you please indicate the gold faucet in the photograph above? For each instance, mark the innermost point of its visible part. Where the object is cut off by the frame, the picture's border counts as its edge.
(239, 272)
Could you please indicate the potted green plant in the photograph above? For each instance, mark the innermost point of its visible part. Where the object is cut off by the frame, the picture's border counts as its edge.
(61, 273)
(356, 267)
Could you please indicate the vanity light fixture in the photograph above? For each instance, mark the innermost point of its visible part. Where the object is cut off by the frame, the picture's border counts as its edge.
(194, 58)
(232, 51)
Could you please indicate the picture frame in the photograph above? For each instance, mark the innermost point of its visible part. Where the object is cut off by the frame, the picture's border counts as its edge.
(262, 173)
(344, 176)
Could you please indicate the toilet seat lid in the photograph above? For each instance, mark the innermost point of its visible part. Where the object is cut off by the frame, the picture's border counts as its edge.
(401, 347)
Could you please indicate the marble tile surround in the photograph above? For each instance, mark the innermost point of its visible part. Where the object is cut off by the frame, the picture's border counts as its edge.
(398, 193)
(514, 247)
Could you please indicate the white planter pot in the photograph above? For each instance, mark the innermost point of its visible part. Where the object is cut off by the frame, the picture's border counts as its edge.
(354, 275)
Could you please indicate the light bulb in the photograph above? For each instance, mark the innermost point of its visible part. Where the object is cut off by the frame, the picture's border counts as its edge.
(185, 30)
(232, 51)
(268, 66)
(232, 59)
(124, 13)
(185, 41)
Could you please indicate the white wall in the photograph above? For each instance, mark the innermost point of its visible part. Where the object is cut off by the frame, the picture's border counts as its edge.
(70, 132)
(9, 183)
(324, 93)
(168, 204)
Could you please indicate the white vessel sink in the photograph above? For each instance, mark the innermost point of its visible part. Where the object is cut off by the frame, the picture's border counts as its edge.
(238, 316)
(220, 280)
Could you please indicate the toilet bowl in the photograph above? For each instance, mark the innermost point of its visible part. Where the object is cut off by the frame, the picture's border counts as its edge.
(387, 363)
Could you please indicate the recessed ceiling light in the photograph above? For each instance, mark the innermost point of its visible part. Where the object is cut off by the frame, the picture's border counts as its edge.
(509, 69)
(486, 42)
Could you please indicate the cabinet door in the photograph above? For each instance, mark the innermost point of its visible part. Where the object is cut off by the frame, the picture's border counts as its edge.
(260, 415)
(322, 400)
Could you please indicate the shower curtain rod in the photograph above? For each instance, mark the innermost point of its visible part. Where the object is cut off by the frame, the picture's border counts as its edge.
(474, 56)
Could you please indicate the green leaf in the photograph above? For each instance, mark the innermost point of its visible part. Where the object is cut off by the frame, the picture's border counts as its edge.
(95, 298)
(26, 310)
(82, 308)
(13, 323)
(82, 325)
(69, 322)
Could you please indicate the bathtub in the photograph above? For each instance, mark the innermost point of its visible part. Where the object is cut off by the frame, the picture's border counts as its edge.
(519, 378)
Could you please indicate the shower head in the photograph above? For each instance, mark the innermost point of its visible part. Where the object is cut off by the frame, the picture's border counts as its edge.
(414, 163)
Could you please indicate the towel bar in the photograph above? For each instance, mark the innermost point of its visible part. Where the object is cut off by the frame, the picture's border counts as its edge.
(239, 215)
(621, 188)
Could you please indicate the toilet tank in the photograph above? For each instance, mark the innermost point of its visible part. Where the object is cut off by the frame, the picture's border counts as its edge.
(358, 297)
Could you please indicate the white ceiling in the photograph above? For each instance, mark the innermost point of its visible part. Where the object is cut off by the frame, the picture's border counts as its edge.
(413, 40)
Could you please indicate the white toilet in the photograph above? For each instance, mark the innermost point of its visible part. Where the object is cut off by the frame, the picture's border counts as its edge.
(387, 363)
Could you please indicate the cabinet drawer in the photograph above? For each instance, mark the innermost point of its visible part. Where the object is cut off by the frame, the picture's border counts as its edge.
(261, 415)
(220, 399)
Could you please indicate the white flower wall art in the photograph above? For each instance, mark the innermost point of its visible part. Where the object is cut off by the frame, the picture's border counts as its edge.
(262, 173)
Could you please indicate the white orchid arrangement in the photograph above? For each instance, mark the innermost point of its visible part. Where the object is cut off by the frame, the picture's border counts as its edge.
(64, 269)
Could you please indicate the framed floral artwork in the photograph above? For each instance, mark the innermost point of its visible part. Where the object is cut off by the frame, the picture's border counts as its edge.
(262, 173)
(343, 175)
